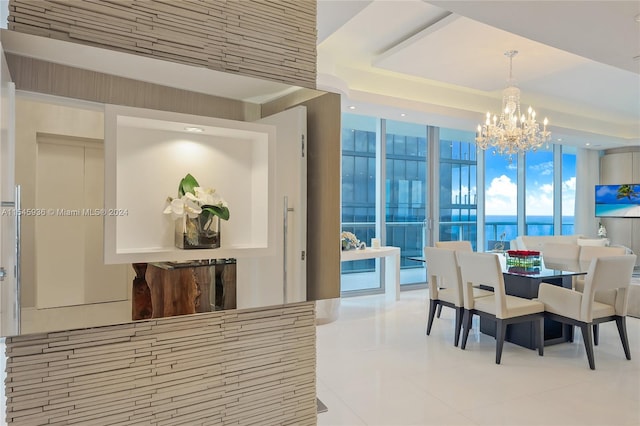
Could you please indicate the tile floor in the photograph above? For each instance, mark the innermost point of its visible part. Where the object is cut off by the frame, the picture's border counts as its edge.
(376, 366)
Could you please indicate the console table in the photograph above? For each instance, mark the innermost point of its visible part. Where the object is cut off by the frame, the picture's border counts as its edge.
(391, 256)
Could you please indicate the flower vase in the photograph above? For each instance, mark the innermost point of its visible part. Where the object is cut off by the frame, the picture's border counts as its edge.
(201, 232)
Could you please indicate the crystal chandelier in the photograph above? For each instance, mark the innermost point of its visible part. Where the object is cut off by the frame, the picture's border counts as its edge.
(512, 132)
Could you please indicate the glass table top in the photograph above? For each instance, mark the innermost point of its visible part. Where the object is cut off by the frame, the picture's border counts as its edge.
(541, 271)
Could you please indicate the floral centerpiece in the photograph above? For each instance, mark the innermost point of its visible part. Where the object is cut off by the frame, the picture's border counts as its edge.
(523, 258)
(349, 241)
(197, 212)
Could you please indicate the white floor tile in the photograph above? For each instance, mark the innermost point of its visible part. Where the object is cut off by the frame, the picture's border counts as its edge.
(376, 366)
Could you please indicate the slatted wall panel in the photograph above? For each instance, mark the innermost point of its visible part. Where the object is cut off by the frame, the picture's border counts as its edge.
(237, 367)
(269, 39)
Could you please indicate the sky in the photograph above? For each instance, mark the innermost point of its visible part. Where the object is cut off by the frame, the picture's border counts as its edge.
(501, 185)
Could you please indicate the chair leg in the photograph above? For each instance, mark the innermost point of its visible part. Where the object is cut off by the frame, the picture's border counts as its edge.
(433, 304)
(501, 331)
(538, 327)
(439, 310)
(622, 331)
(588, 344)
(571, 330)
(466, 324)
(596, 334)
(459, 313)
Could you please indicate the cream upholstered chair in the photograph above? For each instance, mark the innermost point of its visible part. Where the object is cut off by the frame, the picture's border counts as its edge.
(607, 275)
(564, 257)
(455, 245)
(588, 253)
(484, 269)
(458, 245)
(445, 287)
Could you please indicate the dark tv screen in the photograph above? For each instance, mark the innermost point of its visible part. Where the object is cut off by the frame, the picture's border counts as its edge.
(618, 200)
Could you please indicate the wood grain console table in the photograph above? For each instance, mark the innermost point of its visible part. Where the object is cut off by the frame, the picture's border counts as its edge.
(182, 288)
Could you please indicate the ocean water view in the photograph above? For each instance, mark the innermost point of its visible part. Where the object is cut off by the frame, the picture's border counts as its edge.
(535, 225)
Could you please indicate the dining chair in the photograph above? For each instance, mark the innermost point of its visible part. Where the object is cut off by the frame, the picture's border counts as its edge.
(587, 254)
(564, 257)
(604, 298)
(484, 269)
(445, 286)
(458, 245)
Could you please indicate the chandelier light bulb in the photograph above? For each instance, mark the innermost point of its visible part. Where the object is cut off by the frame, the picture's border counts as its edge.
(512, 132)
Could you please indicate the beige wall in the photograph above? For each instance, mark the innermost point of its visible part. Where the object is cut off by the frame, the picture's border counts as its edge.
(621, 166)
(32, 118)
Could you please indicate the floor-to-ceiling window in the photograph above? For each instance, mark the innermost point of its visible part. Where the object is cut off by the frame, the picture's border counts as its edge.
(359, 197)
(406, 195)
(500, 199)
(539, 198)
(458, 189)
(568, 192)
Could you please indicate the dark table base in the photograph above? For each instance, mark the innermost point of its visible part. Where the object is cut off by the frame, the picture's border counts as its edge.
(523, 334)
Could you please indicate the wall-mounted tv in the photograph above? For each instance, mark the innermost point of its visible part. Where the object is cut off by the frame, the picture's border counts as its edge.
(618, 200)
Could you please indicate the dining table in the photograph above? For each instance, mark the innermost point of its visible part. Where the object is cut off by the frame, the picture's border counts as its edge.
(524, 281)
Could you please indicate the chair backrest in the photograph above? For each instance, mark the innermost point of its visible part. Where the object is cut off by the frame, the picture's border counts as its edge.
(588, 253)
(561, 256)
(605, 274)
(482, 269)
(443, 272)
(455, 245)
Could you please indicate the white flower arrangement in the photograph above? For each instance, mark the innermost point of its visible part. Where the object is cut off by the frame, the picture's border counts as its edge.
(197, 207)
(602, 231)
(350, 241)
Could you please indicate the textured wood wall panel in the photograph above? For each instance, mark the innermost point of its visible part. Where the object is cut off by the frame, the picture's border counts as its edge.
(243, 367)
(35, 75)
(274, 39)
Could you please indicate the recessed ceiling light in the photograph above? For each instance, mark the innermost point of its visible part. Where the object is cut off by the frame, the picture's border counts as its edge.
(403, 115)
(352, 107)
(588, 144)
(194, 129)
(559, 139)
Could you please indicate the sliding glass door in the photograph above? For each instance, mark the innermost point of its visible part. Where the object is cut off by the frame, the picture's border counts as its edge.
(406, 196)
(359, 199)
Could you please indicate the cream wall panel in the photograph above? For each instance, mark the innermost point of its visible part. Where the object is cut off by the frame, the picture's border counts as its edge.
(244, 367)
(32, 118)
(323, 183)
(60, 253)
(619, 167)
(616, 168)
(274, 40)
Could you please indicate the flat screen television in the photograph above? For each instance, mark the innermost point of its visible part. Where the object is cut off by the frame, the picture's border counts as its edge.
(618, 200)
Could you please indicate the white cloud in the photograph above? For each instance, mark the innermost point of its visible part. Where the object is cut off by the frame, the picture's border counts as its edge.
(542, 169)
(569, 197)
(501, 197)
(540, 201)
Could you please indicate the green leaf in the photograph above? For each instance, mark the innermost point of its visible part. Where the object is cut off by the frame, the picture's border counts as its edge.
(222, 212)
(187, 184)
